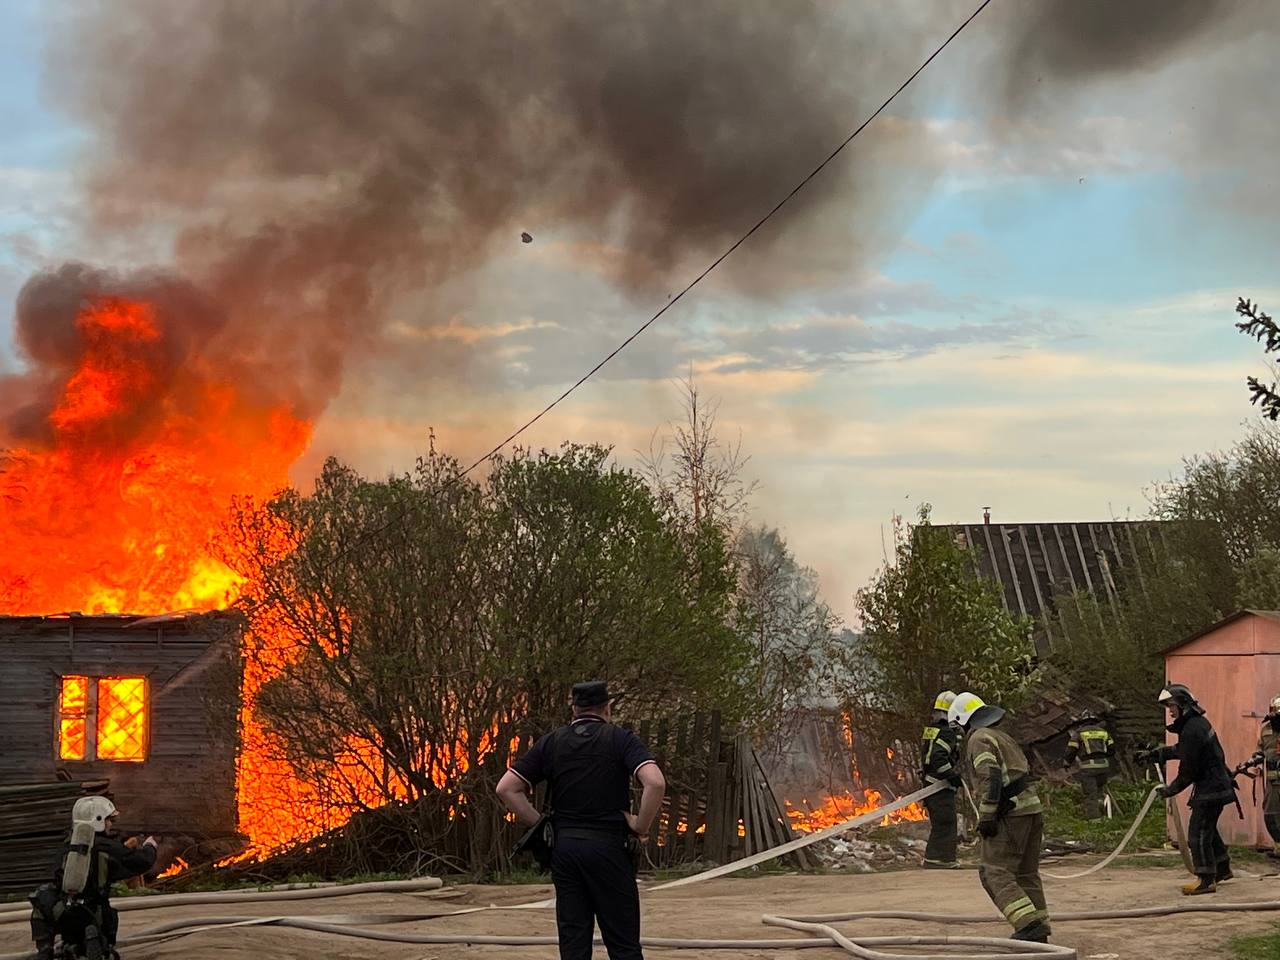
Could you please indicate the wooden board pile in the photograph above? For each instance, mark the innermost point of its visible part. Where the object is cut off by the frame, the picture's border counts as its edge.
(34, 820)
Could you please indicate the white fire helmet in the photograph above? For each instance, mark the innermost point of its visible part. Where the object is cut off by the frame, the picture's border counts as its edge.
(963, 707)
(969, 711)
(94, 810)
(1275, 704)
(944, 700)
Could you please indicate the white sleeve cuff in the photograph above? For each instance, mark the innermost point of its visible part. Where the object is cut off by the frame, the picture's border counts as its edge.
(637, 769)
(521, 776)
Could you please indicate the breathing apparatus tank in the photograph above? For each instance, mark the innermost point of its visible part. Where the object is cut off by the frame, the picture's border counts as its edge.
(75, 868)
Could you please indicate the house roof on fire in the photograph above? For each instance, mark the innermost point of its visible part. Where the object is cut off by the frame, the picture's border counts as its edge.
(1034, 562)
(67, 624)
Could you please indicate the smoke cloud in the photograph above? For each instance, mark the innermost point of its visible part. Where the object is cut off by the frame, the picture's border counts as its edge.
(1210, 112)
(315, 163)
(1083, 39)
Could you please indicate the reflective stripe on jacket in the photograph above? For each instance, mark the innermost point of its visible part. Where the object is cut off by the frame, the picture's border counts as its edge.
(1093, 746)
(989, 751)
(937, 753)
(1269, 747)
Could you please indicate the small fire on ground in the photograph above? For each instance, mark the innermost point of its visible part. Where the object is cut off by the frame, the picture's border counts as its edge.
(807, 817)
(174, 868)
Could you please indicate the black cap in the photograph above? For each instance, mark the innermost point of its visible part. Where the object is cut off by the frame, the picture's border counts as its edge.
(592, 693)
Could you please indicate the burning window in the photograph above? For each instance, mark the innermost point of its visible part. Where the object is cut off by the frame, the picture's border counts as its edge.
(107, 713)
(72, 707)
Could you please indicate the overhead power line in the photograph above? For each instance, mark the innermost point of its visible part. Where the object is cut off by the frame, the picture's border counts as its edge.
(729, 252)
(384, 527)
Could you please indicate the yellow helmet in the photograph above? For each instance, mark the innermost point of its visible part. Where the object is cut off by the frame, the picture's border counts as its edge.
(944, 700)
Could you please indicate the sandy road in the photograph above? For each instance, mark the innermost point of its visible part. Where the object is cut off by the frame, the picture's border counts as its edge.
(731, 907)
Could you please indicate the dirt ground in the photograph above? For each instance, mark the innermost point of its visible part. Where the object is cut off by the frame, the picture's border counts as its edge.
(728, 907)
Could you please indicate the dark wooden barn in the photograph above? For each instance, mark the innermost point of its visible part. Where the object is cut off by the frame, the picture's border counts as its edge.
(145, 703)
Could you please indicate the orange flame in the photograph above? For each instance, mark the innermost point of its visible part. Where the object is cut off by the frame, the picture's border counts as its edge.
(174, 868)
(808, 818)
(115, 510)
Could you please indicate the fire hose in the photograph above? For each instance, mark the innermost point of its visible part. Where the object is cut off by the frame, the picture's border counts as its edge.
(359, 926)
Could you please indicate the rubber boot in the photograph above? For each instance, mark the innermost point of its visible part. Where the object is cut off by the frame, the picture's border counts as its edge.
(1037, 932)
(1205, 884)
(1224, 872)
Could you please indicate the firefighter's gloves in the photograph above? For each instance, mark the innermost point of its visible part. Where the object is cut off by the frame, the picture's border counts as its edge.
(955, 780)
(988, 825)
(1164, 792)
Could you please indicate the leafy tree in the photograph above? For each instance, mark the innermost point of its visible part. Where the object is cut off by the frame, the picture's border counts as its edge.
(1223, 512)
(1267, 332)
(1219, 551)
(930, 622)
(792, 633)
(1112, 648)
(403, 666)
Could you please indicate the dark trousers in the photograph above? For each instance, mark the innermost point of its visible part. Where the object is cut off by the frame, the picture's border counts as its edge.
(941, 807)
(1271, 811)
(595, 882)
(1208, 853)
(1094, 785)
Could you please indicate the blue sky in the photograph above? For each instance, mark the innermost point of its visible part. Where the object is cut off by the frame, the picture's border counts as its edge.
(1047, 327)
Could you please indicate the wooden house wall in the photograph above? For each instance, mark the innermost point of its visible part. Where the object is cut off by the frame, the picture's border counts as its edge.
(187, 783)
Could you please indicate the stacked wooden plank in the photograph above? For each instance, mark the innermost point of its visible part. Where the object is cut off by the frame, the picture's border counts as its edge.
(34, 819)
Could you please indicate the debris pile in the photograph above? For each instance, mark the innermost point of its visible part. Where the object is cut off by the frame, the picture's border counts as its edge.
(856, 855)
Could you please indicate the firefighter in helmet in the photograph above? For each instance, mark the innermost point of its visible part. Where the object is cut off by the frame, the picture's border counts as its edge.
(77, 905)
(1203, 767)
(1010, 818)
(1267, 756)
(1093, 747)
(939, 762)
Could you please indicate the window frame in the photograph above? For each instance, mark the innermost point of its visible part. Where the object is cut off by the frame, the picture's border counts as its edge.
(91, 718)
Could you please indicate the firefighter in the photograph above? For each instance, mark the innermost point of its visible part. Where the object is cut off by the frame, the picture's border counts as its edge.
(1201, 766)
(1267, 756)
(938, 762)
(1093, 746)
(1010, 818)
(77, 905)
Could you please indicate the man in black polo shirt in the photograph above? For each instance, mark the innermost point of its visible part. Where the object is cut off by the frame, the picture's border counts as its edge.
(589, 765)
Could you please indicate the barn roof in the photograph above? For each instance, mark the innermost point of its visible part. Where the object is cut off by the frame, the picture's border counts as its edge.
(1273, 615)
(1035, 562)
(60, 624)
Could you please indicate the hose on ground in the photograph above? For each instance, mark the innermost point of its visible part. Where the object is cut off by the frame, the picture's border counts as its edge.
(1124, 842)
(18, 913)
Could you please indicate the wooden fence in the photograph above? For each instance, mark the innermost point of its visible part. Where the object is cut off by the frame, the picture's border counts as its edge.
(719, 805)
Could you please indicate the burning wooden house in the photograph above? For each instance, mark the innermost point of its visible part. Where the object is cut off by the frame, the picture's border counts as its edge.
(145, 703)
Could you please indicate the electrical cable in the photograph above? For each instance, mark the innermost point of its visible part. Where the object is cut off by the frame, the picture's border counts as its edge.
(383, 528)
(736, 244)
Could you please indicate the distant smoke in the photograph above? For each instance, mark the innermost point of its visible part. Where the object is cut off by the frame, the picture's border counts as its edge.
(316, 161)
(1210, 113)
(1081, 39)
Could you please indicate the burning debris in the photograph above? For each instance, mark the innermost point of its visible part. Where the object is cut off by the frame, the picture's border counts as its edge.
(809, 818)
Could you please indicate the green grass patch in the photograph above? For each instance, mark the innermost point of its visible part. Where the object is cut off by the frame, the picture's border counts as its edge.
(1265, 946)
(1064, 816)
